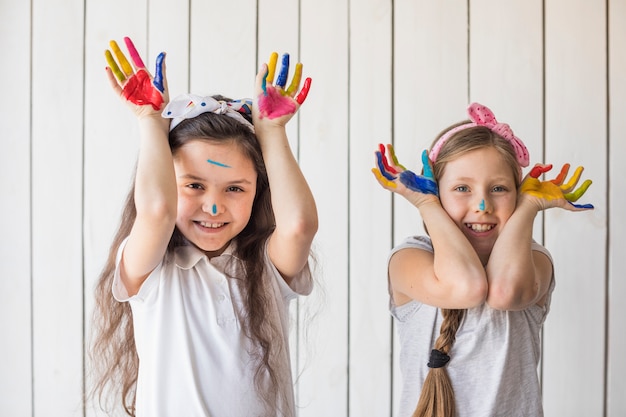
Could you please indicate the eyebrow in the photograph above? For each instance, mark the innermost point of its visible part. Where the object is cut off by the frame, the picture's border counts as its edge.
(196, 178)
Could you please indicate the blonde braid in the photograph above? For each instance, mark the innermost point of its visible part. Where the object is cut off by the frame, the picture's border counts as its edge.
(437, 396)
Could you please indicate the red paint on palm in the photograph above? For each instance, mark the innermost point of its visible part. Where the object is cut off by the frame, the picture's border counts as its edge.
(139, 90)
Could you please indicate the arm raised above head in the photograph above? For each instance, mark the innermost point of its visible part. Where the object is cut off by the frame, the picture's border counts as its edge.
(155, 183)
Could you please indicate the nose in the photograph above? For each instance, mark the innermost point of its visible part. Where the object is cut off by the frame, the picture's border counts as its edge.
(212, 207)
(483, 205)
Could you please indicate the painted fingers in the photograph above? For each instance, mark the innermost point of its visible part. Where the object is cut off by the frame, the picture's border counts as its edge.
(388, 174)
(557, 188)
(276, 101)
(134, 82)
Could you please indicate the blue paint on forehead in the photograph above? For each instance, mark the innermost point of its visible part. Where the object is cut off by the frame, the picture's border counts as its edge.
(219, 164)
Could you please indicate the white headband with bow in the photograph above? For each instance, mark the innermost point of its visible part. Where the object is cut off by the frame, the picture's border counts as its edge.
(188, 106)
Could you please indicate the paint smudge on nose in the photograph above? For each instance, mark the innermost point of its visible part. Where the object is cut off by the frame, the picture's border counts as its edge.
(214, 209)
(481, 206)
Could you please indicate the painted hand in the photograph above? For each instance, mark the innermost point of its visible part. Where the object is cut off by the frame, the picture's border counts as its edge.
(555, 193)
(273, 100)
(134, 83)
(396, 178)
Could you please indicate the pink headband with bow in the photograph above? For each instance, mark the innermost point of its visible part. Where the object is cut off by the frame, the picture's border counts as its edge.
(481, 116)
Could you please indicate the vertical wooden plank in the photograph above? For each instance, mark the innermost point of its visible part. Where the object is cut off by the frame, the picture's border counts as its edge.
(430, 85)
(168, 31)
(111, 138)
(15, 213)
(506, 66)
(57, 162)
(323, 383)
(616, 383)
(223, 47)
(278, 30)
(576, 115)
(370, 110)
(430, 93)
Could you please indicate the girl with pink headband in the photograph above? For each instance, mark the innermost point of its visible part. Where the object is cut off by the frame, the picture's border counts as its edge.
(469, 298)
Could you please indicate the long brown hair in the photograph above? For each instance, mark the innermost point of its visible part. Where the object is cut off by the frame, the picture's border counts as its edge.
(113, 352)
(437, 396)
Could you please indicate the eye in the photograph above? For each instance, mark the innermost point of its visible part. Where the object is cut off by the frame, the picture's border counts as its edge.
(234, 189)
(195, 186)
(500, 189)
(462, 188)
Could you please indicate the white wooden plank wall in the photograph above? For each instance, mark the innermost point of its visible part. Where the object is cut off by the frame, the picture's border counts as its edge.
(383, 71)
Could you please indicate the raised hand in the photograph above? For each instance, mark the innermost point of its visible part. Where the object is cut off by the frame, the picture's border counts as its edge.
(134, 83)
(274, 101)
(555, 193)
(395, 177)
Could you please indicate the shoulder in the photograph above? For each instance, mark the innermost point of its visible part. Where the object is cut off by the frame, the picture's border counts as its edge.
(413, 242)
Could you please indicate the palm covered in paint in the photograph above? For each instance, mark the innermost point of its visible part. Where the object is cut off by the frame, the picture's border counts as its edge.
(274, 101)
(134, 84)
(555, 193)
(394, 177)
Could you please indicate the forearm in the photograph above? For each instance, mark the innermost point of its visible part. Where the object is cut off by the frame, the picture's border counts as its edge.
(292, 200)
(511, 271)
(455, 260)
(155, 182)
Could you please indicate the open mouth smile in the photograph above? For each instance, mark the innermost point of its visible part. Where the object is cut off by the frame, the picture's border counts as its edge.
(211, 225)
(478, 227)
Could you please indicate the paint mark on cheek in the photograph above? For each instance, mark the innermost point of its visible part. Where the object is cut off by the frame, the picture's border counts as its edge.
(219, 164)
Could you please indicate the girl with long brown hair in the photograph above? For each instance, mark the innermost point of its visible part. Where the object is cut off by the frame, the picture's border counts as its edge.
(191, 313)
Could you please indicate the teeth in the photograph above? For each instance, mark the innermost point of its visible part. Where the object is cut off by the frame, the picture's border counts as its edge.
(480, 227)
(211, 225)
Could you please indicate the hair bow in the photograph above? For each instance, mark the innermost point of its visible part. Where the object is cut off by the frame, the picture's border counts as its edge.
(481, 116)
(188, 106)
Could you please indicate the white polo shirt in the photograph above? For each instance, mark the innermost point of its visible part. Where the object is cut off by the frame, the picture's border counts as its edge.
(194, 359)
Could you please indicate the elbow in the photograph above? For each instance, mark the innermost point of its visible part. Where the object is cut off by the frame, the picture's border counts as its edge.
(509, 297)
(305, 228)
(160, 212)
(469, 295)
(477, 294)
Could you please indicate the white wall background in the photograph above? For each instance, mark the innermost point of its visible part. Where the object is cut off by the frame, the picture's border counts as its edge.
(383, 71)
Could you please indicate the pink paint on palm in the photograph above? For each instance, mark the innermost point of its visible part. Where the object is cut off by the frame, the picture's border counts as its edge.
(133, 53)
(274, 104)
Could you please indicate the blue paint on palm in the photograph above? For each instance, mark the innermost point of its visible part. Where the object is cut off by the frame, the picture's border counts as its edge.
(420, 184)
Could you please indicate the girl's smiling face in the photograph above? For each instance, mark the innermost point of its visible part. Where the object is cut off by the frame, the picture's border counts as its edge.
(216, 189)
(478, 191)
